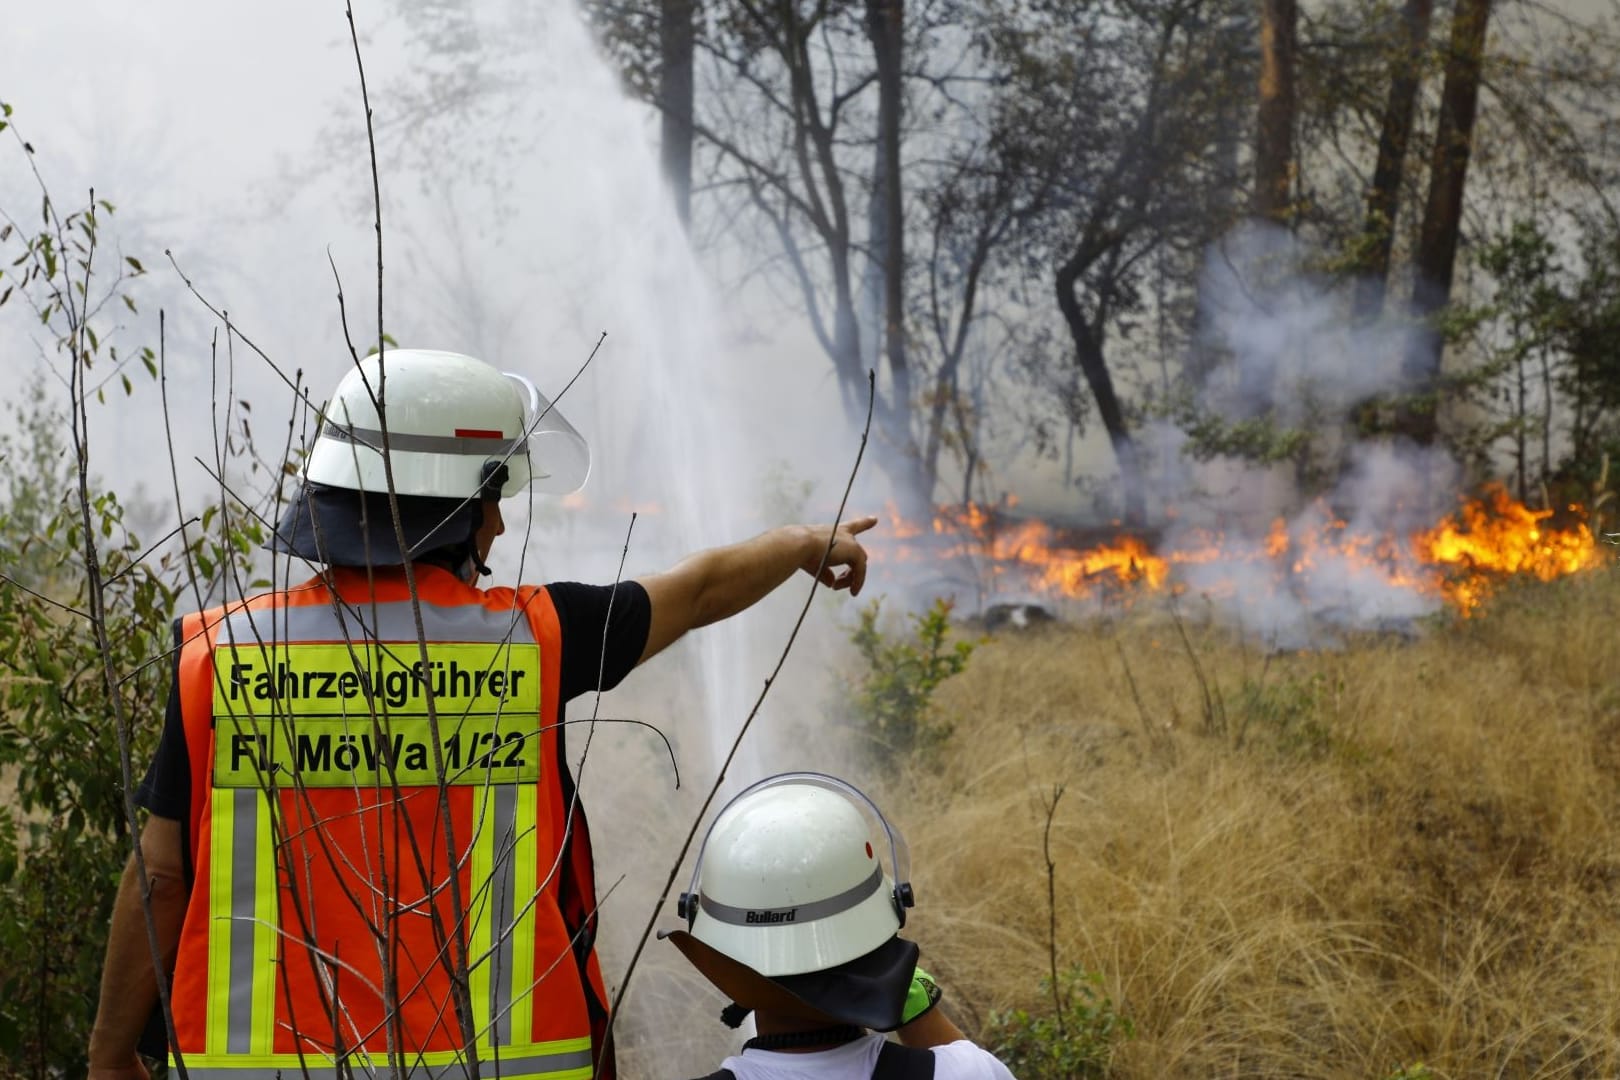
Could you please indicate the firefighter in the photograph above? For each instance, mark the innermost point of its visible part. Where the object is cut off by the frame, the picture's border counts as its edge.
(791, 916)
(364, 848)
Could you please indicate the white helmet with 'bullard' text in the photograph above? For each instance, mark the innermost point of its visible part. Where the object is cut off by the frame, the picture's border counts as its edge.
(790, 908)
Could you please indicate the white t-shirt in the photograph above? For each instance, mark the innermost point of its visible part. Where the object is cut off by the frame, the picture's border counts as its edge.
(961, 1060)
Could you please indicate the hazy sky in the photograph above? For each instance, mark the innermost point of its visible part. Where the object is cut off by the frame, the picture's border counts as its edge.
(518, 229)
(230, 134)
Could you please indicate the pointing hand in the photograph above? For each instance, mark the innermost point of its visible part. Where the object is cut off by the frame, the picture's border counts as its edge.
(846, 562)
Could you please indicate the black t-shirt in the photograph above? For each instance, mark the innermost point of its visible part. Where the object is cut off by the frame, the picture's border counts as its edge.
(595, 645)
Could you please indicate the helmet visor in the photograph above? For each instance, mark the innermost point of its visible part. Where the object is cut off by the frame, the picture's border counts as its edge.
(559, 460)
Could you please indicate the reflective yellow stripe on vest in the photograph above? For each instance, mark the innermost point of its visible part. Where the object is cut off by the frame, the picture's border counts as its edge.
(267, 724)
(524, 886)
(242, 944)
(501, 968)
(565, 1059)
(243, 906)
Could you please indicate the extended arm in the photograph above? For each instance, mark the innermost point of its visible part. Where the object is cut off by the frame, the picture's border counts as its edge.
(716, 584)
(128, 982)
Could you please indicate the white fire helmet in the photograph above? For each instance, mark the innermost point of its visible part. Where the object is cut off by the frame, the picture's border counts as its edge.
(788, 880)
(453, 422)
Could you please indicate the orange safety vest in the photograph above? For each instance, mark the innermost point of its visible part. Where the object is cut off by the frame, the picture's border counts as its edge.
(333, 900)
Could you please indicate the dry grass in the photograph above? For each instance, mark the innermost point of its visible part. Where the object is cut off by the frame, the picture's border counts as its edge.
(1359, 860)
(1387, 854)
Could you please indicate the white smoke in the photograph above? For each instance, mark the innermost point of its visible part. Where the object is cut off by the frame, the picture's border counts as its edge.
(1291, 355)
(523, 216)
(1287, 332)
(1281, 357)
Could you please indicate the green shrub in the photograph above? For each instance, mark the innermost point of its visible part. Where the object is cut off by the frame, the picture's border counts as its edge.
(892, 700)
(1074, 1042)
(1415, 1071)
(57, 904)
(1285, 715)
(64, 834)
(64, 829)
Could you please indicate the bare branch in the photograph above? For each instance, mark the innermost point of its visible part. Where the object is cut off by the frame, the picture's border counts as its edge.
(748, 721)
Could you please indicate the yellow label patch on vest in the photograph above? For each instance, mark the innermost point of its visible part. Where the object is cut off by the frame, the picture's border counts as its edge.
(326, 716)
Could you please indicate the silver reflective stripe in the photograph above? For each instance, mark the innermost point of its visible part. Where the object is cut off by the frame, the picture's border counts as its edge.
(244, 864)
(517, 1067)
(469, 445)
(316, 1068)
(799, 913)
(504, 887)
(380, 622)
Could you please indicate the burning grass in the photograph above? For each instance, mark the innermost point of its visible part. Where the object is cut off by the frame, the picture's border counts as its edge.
(1460, 560)
(1318, 865)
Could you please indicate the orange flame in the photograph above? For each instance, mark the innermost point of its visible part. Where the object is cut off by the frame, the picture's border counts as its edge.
(1496, 538)
(1069, 573)
(1463, 559)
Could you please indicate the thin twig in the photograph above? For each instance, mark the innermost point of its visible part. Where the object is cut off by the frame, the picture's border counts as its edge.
(1214, 719)
(41, 596)
(601, 660)
(224, 317)
(714, 789)
(166, 537)
(1148, 727)
(460, 991)
(95, 590)
(1058, 1004)
(533, 425)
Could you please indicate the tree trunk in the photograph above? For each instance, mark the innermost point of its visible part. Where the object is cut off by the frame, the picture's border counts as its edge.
(942, 398)
(1231, 126)
(885, 20)
(1521, 423)
(676, 37)
(1089, 355)
(1442, 215)
(847, 358)
(953, 347)
(1384, 197)
(1274, 141)
(967, 425)
(1547, 390)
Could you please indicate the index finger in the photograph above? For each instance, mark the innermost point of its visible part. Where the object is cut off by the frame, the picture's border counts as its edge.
(861, 524)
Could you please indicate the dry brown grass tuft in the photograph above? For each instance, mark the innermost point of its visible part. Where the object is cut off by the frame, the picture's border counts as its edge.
(1346, 863)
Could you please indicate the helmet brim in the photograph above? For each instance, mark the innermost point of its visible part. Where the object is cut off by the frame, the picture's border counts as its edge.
(868, 991)
(340, 527)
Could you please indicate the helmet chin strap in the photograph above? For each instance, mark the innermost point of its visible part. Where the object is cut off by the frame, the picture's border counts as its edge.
(473, 567)
(492, 480)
